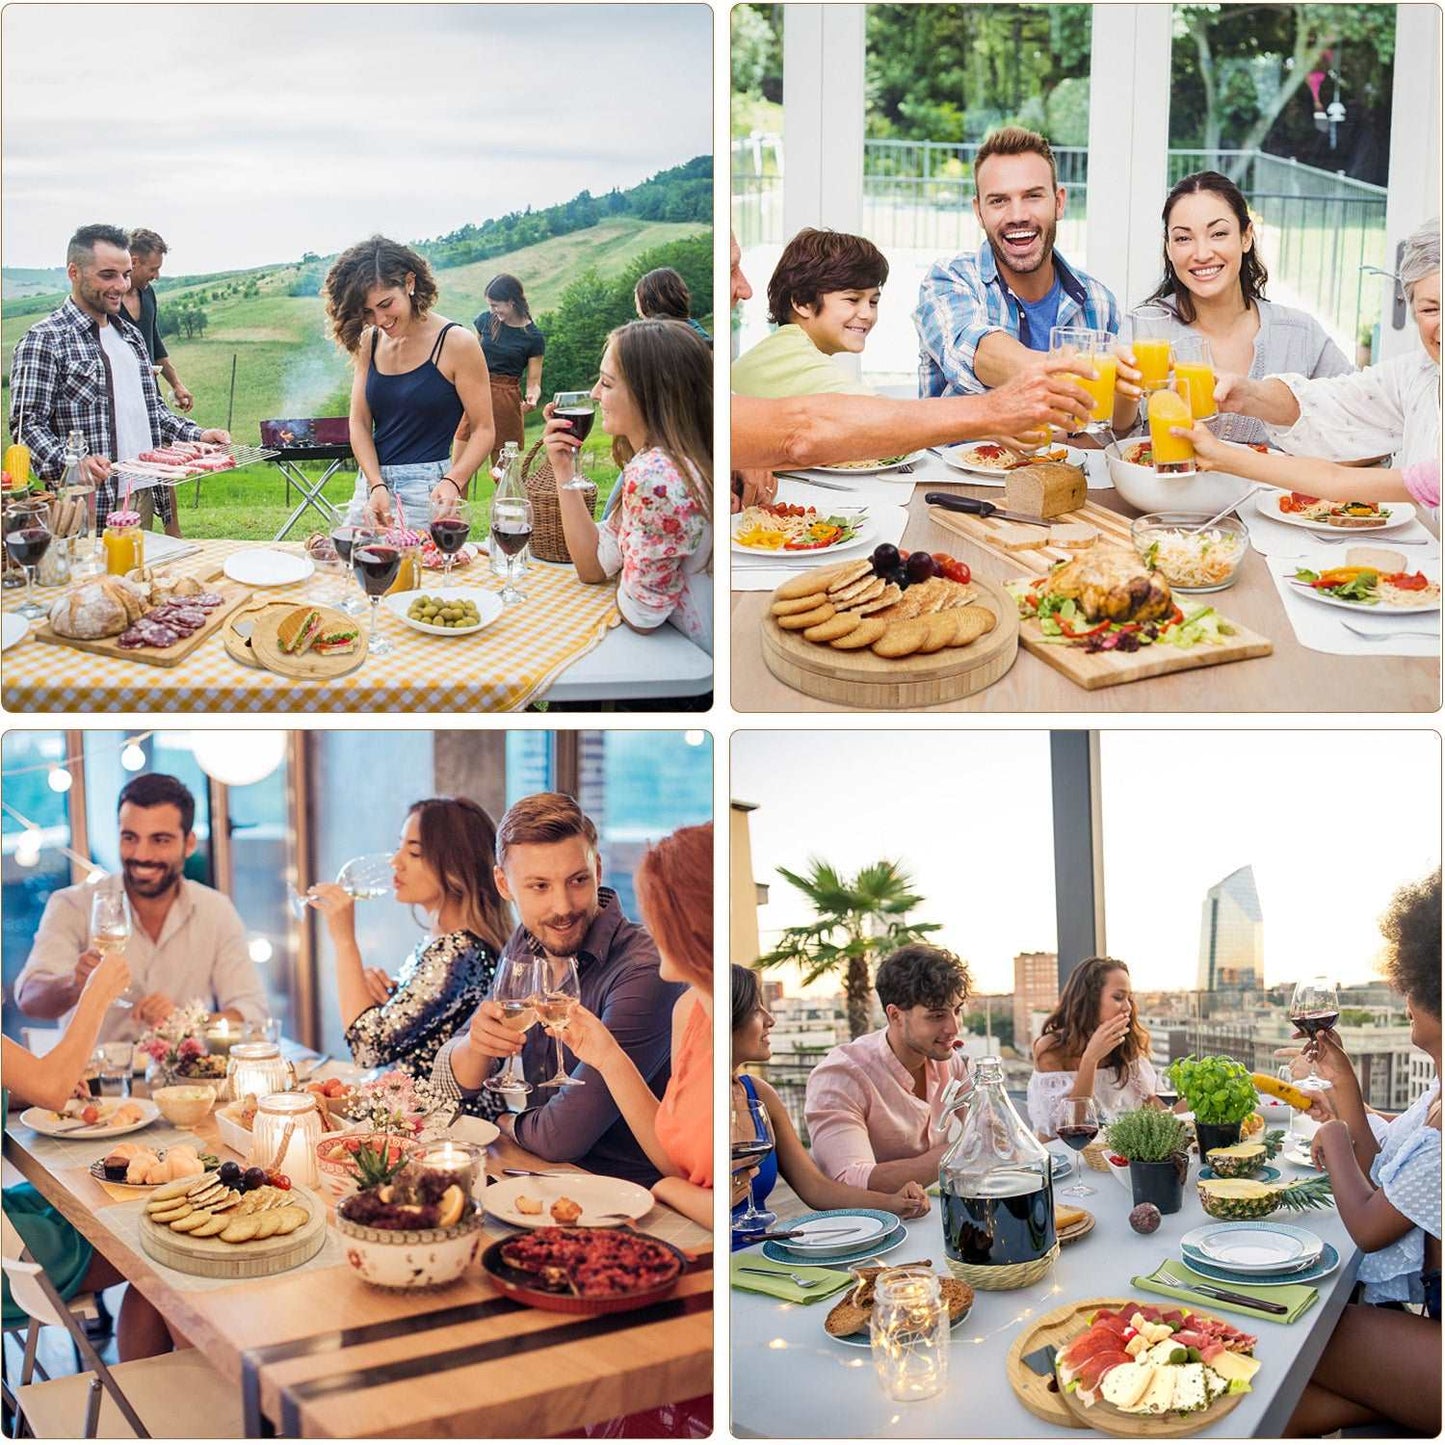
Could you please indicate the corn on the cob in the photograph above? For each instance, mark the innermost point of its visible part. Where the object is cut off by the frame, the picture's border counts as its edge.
(1286, 1093)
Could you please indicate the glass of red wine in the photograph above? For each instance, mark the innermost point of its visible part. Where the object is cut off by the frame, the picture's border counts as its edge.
(752, 1142)
(1314, 1008)
(27, 535)
(451, 525)
(1076, 1122)
(577, 409)
(343, 529)
(511, 531)
(375, 561)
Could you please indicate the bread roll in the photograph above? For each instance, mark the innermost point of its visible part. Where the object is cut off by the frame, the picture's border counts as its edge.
(1045, 489)
(94, 610)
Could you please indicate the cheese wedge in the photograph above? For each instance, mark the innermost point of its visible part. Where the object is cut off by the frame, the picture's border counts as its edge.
(1126, 1385)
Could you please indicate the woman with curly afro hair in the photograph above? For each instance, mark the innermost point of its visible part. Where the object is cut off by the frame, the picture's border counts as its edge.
(1383, 1361)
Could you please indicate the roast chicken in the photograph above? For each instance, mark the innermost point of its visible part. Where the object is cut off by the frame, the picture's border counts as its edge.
(1111, 585)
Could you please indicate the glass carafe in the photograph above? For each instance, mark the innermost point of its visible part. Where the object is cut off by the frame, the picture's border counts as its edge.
(498, 560)
(996, 1191)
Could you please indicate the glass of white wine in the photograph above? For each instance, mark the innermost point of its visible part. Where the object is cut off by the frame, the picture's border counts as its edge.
(110, 931)
(363, 877)
(559, 991)
(515, 989)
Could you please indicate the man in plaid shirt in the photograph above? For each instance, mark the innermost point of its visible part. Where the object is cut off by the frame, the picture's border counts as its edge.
(86, 368)
(983, 318)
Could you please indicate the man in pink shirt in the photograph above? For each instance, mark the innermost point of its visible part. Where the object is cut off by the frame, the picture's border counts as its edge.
(873, 1103)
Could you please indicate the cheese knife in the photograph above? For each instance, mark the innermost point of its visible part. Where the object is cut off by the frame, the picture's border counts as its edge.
(979, 508)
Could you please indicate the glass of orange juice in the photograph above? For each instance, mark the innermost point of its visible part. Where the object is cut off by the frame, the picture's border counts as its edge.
(1194, 365)
(1169, 407)
(1093, 351)
(1149, 328)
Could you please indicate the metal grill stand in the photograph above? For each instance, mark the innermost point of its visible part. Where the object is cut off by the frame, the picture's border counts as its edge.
(286, 459)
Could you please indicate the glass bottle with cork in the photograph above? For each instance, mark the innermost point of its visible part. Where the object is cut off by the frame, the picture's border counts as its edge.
(507, 463)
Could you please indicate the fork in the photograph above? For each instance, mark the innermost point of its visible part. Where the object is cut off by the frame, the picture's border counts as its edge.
(1392, 541)
(802, 1281)
(1381, 636)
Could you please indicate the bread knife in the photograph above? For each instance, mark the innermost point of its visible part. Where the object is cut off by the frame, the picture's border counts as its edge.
(980, 508)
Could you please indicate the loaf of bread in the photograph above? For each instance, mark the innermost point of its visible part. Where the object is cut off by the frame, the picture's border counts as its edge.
(103, 608)
(1045, 489)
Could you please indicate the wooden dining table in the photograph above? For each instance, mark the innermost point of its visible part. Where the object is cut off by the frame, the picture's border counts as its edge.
(316, 1351)
(1291, 679)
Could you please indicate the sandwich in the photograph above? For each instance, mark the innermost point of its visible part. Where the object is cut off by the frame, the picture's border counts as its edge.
(336, 637)
(298, 630)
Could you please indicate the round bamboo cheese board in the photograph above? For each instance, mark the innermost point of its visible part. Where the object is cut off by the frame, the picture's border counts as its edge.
(863, 680)
(309, 665)
(214, 1259)
(240, 626)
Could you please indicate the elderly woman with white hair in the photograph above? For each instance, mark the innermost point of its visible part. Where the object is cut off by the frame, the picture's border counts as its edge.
(1391, 409)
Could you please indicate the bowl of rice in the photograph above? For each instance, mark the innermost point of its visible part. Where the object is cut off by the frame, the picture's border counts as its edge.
(1191, 560)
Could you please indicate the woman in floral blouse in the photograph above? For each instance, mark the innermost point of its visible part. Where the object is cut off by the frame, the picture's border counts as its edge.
(444, 866)
(655, 392)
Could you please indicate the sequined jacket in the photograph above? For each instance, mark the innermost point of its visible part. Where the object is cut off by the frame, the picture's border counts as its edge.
(438, 990)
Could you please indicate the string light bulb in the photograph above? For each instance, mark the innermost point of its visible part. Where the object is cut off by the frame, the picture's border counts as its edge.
(132, 757)
(27, 848)
(260, 950)
(59, 780)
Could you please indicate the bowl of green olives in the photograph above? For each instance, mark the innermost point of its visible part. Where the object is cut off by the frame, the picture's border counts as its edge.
(452, 613)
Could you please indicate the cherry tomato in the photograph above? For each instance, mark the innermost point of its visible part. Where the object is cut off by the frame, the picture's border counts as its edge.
(957, 571)
(281, 1181)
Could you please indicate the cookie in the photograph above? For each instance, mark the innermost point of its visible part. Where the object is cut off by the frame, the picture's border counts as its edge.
(799, 620)
(833, 628)
(865, 634)
(969, 624)
(799, 604)
(902, 639)
(805, 584)
(940, 631)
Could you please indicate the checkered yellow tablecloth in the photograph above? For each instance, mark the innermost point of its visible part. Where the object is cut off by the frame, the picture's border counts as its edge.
(499, 669)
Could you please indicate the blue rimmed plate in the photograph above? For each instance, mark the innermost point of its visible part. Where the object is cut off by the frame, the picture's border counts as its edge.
(1265, 1174)
(774, 1251)
(869, 1227)
(1063, 1163)
(1327, 1263)
(1254, 1247)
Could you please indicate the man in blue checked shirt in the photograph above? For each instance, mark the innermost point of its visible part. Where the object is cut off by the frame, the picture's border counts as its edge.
(85, 368)
(982, 318)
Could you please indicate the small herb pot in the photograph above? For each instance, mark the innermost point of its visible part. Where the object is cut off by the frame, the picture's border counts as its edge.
(1215, 1136)
(1159, 1182)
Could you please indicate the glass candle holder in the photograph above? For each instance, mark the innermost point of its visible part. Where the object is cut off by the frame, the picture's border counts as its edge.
(258, 1069)
(221, 1033)
(446, 1156)
(284, 1136)
(909, 1334)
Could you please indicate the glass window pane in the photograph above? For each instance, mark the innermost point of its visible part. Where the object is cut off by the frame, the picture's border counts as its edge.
(261, 861)
(531, 764)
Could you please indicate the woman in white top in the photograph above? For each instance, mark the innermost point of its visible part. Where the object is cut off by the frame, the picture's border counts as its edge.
(1092, 1045)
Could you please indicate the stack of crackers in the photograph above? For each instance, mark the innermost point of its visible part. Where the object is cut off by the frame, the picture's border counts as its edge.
(849, 608)
(851, 1314)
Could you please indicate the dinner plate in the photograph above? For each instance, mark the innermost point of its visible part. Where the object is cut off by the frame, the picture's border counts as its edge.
(47, 1121)
(489, 608)
(864, 533)
(1375, 609)
(1264, 1174)
(602, 1199)
(1266, 503)
(529, 1289)
(97, 1171)
(862, 1342)
(1301, 1158)
(12, 630)
(953, 457)
(821, 1232)
(1254, 1248)
(1327, 1263)
(779, 1255)
(870, 469)
(266, 567)
(1063, 1163)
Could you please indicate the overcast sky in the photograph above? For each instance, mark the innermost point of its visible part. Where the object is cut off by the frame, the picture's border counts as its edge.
(247, 134)
(1332, 823)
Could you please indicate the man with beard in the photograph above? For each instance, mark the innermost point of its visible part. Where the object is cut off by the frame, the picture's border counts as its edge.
(187, 942)
(873, 1104)
(982, 317)
(548, 866)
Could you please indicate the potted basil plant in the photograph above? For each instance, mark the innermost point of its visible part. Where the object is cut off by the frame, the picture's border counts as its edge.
(1222, 1095)
(1156, 1144)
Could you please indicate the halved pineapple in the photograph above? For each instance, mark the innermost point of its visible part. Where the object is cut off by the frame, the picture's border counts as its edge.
(1237, 1160)
(1240, 1199)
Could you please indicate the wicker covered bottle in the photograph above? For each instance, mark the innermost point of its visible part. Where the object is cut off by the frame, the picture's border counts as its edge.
(996, 1192)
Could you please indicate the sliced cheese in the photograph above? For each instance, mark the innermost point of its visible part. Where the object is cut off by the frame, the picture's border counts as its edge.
(1231, 1366)
(1159, 1397)
(1191, 1387)
(1125, 1385)
(1166, 1352)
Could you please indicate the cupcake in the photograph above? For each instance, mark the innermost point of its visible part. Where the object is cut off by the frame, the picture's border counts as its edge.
(115, 1166)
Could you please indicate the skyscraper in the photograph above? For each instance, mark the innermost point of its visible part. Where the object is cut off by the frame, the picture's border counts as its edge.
(1036, 988)
(1231, 935)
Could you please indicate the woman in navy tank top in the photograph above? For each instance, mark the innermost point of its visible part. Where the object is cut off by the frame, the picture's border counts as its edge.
(417, 376)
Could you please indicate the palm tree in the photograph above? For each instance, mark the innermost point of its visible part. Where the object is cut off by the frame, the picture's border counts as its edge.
(859, 921)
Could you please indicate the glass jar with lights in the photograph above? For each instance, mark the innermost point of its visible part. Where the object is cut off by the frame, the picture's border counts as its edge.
(909, 1333)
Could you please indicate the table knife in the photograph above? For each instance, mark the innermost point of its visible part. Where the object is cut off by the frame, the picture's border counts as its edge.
(753, 1236)
(979, 508)
(1228, 1297)
(814, 482)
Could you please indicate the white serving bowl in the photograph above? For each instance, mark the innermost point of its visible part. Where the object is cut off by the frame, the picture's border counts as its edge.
(410, 1258)
(1147, 491)
(185, 1105)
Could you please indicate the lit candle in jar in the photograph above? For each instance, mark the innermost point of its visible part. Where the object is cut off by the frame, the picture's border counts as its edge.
(258, 1069)
(219, 1036)
(285, 1135)
(449, 1157)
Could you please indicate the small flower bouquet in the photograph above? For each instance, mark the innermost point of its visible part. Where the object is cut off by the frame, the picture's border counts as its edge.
(177, 1045)
(395, 1103)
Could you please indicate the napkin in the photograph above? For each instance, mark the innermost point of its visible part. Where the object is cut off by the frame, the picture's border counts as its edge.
(827, 1281)
(1299, 1297)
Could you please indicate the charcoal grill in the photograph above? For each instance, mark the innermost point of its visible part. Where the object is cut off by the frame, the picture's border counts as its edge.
(290, 440)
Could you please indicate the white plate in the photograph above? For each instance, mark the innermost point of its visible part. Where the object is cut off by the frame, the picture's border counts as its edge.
(489, 608)
(1375, 609)
(599, 1196)
(47, 1121)
(1301, 1158)
(265, 567)
(869, 471)
(1266, 503)
(864, 533)
(13, 629)
(821, 1236)
(953, 457)
(1255, 1248)
(468, 1129)
(1063, 1162)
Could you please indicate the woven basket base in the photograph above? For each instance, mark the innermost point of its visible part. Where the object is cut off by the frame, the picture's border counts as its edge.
(1004, 1276)
(1093, 1153)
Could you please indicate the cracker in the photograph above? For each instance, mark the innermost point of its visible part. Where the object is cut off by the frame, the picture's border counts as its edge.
(267, 1223)
(238, 1231)
(845, 574)
(834, 627)
(178, 1187)
(194, 1220)
(799, 620)
(885, 599)
(865, 634)
(214, 1225)
(971, 623)
(902, 639)
(293, 1216)
(791, 605)
(863, 590)
(805, 584)
(939, 633)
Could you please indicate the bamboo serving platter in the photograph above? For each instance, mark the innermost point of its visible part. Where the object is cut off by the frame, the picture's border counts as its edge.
(309, 666)
(863, 680)
(233, 592)
(254, 1259)
(1066, 1411)
(1113, 530)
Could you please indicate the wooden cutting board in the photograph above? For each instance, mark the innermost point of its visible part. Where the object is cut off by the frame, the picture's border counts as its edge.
(309, 665)
(1112, 528)
(255, 1258)
(863, 680)
(234, 594)
(1057, 1408)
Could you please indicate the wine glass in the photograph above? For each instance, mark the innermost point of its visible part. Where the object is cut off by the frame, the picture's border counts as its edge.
(559, 990)
(110, 931)
(363, 877)
(752, 1142)
(343, 529)
(511, 531)
(376, 561)
(1093, 350)
(27, 536)
(1314, 1008)
(515, 989)
(451, 525)
(577, 409)
(1076, 1122)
